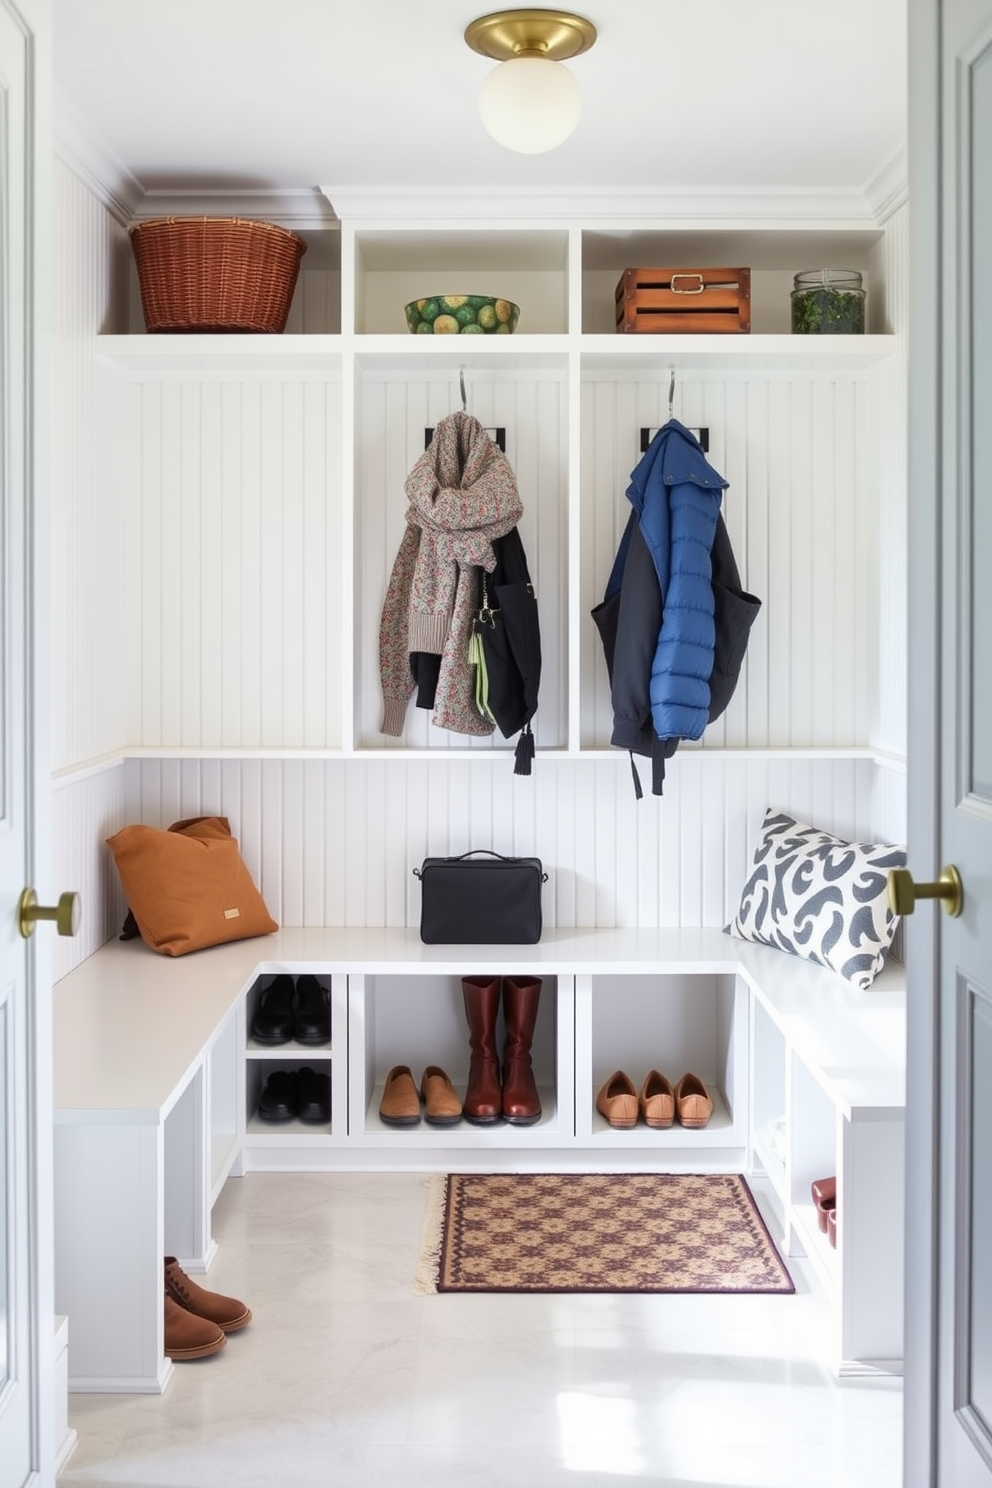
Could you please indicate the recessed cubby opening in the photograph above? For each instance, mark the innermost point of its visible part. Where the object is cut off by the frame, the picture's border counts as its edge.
(773, 259)
(255, 1046)
(677, 1024)
(315, 309)
(257, 1073)
(394, 406)
(814, 1149)
(420, 1020)
(527, 266)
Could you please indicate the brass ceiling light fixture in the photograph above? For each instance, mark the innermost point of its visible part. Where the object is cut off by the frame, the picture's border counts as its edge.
(530, 102)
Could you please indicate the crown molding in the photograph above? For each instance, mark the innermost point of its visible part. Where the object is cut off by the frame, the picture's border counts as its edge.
(299, 208)
(129, 201)
(98, 168)
(730, 208)
(888, 189)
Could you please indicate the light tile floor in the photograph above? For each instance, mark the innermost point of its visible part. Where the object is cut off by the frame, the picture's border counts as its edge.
(347, 1378)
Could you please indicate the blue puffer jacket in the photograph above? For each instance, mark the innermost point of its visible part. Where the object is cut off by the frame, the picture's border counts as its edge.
(676, 494)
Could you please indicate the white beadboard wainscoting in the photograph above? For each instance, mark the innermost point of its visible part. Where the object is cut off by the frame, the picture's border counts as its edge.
(245, 596)
(235, 545)
(802, 511)
(334, 842)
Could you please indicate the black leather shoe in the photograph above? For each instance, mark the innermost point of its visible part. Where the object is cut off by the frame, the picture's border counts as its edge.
(273, 1020)
(280, 1099)
(312, 1019)
(314, 1095)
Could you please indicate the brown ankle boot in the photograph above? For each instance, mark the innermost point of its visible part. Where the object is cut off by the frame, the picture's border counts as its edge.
(521, 1102)
(226, 1312)
(483, 1098)
(188, 1336)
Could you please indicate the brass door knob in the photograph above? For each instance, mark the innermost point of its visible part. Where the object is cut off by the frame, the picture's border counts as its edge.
(904, 891)
(65, 913)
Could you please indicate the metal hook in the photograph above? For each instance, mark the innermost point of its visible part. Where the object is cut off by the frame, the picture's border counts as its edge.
(671, 394)
(461, 384)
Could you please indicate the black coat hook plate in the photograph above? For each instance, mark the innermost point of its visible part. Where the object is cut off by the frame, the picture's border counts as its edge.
(703, 435)
(498, 436)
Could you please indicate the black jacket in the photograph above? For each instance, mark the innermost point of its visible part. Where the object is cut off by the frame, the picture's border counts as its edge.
(507, 621)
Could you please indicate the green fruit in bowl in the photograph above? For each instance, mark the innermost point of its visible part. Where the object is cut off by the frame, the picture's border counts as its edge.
(452, 315)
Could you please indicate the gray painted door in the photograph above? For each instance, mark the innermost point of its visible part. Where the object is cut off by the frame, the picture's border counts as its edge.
(949, 1087)
(26, 1315)
(964, 1426)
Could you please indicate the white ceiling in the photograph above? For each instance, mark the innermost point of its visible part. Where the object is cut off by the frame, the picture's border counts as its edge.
(698, 99)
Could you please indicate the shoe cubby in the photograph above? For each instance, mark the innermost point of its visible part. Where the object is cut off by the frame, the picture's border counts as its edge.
(256, 1002)
(418, 1020)
(258, 1074)
(677, 1024)
(266, 1140)
(813, 1154)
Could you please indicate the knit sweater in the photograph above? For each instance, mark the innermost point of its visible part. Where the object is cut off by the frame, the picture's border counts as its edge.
(462, 495)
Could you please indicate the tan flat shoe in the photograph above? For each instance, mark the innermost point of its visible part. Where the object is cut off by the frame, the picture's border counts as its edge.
(617, 1101)
(400, 1104)
(657, 1100)
(692, 1104)
(442, 1106)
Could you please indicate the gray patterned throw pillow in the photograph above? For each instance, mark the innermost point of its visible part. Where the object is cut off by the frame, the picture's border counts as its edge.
(820, 897)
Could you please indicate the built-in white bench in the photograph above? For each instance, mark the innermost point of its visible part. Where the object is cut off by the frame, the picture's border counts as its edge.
(157, 1080)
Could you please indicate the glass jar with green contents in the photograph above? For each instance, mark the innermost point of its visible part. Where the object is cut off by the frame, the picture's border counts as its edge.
(828, 302)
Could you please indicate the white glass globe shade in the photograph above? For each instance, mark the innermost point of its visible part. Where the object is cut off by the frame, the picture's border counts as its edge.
(530, 104)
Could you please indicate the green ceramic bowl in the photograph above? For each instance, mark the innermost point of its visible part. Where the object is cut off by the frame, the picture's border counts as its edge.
(462, 315)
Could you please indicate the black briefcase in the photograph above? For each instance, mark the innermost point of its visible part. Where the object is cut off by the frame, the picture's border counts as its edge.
(481, 898)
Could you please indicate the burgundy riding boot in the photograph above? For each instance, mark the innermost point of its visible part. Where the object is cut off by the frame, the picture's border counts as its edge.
(483, 1098)
(521, 1102)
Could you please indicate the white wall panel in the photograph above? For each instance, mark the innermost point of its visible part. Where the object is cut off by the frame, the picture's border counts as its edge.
(890, 271)
(86, 810)
(88, 575)
(801, 510)
(335, 842)
(235, 539)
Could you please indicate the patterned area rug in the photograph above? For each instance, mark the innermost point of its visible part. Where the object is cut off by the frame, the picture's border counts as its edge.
(597, 1232)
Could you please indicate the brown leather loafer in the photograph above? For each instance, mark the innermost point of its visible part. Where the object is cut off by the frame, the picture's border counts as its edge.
(188, 1336)
(692, 1104)
(832, 1226)
(400, 1104)
(226, 1312)
(657, 1100)
(442, 1106)
(617, 1101)
(824, 1195)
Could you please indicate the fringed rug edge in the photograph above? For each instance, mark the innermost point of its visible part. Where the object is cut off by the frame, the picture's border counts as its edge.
(432, 1237)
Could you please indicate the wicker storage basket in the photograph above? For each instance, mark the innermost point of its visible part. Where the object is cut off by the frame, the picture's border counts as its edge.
(215, 273)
